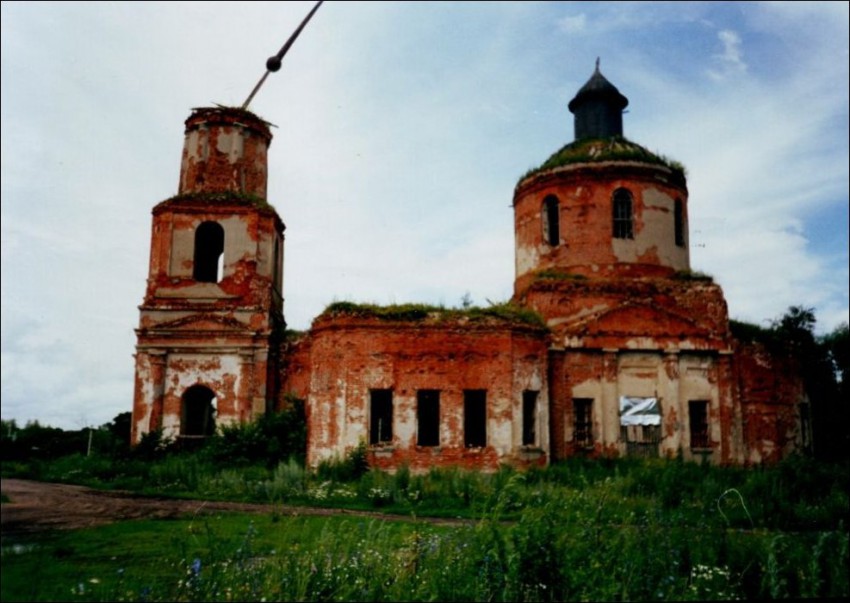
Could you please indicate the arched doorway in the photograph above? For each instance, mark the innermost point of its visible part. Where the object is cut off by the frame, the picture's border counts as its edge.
(198, 412)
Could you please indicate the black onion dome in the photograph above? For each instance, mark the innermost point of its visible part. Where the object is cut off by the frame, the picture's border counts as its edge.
(598, 88)
(598, 108)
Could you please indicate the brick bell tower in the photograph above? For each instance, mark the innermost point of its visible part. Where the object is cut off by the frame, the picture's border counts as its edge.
(601, 251)
(212, 315)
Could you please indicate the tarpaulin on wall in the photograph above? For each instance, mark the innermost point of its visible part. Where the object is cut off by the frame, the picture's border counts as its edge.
(639, 411)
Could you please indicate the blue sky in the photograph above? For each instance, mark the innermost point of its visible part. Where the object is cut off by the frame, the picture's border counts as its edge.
(402, 128)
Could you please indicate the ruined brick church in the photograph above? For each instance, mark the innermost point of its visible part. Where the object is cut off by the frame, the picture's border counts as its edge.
(611, 345)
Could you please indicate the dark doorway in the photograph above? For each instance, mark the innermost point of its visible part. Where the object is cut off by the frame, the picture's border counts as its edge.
(198, 418)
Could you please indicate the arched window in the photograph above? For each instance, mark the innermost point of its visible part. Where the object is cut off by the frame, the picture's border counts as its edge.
(198, 412)
(679, 223)
(209, 252)
(623, 228)
(551, 220)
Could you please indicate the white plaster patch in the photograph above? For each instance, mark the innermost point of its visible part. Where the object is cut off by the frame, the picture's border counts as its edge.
(231, 144)
(527, 259)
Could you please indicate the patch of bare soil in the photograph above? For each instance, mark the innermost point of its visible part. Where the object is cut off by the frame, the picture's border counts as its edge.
(39, 506)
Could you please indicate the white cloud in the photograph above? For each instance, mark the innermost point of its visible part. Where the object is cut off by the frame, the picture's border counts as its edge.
(573, 23)
(730, 61)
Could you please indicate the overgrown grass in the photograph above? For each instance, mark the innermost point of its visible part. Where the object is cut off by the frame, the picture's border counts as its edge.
(693, 275)
(505, 312)
(571, 548)
(583, 529)
(216, 198)
(558, 275)
(594, 150)
(797, 494)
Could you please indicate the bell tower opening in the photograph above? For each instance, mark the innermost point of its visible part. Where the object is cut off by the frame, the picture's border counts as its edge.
(209, 253)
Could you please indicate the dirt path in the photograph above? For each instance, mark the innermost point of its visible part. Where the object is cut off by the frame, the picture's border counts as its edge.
(39, 506)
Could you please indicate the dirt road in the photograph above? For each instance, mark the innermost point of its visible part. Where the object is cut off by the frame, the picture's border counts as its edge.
(38, 506)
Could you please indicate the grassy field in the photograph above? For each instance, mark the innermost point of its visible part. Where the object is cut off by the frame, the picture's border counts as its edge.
(548, 555)
(582, 530)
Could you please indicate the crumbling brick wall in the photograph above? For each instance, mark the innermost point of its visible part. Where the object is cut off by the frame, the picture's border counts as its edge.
(773, 403)
(352, 355)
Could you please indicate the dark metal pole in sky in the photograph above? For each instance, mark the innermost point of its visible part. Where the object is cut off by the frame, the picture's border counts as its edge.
(273, 63)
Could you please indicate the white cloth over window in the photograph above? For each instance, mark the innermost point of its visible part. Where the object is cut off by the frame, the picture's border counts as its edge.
(639, 411)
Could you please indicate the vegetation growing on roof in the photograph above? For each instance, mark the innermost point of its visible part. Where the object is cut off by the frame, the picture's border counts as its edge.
(217, 198)
(506, 312)
(751, 333)
(230, 111)
(558, 275)
(594, 150)
(693, 275)
(290, 335)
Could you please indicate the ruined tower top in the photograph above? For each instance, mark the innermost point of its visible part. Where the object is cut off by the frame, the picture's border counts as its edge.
(598, 108)
(225, 150)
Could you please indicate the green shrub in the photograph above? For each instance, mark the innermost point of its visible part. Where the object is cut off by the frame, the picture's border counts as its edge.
(271, 439)
(352, 467)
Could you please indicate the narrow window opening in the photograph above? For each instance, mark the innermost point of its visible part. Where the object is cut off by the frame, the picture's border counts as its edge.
(679, 223)
(623, 220)
(278, 273)
(198, 412)
(583, 422)
(475, 418)
(381, 416)
(552, 220)
(209, 253)
(529, 418)
(428, 417)
(806, 427)
(698, 411)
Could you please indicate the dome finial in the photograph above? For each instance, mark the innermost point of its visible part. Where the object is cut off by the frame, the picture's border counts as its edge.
(597, 64)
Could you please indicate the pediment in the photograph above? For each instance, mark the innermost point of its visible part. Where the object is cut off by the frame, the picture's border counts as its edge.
(632, 319)
(203, 322)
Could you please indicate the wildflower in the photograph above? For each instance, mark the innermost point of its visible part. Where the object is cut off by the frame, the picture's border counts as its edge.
(196, 568)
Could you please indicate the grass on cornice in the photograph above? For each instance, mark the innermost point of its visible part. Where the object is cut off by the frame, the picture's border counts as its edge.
(594, 150)
(218, 198)
(506, 312)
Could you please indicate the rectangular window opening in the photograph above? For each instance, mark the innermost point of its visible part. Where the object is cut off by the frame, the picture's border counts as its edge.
(679, 223)
(698, 412)
(380, 416)
(428, 417)
(529, 418)
(475, 418)
(583, 422)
